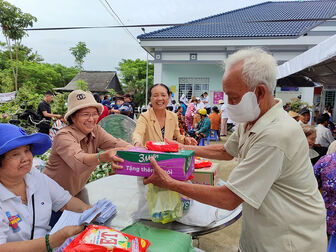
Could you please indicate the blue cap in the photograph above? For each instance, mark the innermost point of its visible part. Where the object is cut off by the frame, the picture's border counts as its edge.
(13, 137)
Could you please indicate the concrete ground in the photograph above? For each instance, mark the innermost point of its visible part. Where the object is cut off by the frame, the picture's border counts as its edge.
(227, 238)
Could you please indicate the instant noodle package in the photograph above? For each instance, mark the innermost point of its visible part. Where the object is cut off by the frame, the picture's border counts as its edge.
(103, 239)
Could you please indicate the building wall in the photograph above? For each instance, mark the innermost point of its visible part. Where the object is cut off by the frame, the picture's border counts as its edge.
(172, 72)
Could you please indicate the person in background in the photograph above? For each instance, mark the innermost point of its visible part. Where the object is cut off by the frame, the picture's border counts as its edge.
(101, 97)
(119, 101)
(206, 102)
(183, 104)
(105, 112)
(199, 104)
(106, 102)
(79, 147)
(310, 133)
(203, 128)
(224, 118)
(215, 120)
(128, 100)
(294, 115)
(274, 181)
(324, 137)
(44, 112)
(181, 122)
(304, 116)
(174, 106)
(28, 196)
(325, 173)
(189, 116)
(158, 124)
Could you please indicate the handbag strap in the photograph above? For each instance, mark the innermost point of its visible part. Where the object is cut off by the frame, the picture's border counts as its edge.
(33, 227)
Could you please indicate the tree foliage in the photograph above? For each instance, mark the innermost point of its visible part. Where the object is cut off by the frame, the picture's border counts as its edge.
(133, 78)
(79, 52)
(39, 76)
(13, 22)
(82, 85)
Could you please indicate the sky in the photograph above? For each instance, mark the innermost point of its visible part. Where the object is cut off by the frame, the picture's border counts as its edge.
(108, 46)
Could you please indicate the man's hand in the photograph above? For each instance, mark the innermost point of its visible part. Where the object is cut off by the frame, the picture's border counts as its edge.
(110, 156)
(159, 177)
(190, 141)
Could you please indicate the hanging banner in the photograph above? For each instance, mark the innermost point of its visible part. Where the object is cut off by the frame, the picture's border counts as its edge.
(217, 96)
(5, 97)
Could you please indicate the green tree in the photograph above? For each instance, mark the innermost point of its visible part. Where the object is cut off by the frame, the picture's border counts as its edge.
(13, 22)
(133, 78)
(82, 85)
(79, 52)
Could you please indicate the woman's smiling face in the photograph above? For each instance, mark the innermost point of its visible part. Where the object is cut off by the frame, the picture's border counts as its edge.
(159, 97)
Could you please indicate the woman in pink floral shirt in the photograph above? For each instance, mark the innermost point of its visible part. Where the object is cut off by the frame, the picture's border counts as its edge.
(189, 116)
(325, 173)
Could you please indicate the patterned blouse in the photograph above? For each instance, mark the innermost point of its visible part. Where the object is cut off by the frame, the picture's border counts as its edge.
(325, 172)
(181, 122)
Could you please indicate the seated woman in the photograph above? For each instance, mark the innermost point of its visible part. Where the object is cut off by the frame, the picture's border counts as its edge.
(325, 173)
(158, 123)
(203, 128)
(28, 196)
(75, 150)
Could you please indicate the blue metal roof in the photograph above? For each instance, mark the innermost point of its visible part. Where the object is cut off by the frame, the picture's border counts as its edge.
(238, 23)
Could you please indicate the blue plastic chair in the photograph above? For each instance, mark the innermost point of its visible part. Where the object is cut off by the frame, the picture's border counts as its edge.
(212, 136)
(201, 142)
(332, 244)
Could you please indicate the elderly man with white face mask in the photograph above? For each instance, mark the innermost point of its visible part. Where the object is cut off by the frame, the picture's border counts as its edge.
(282, 207)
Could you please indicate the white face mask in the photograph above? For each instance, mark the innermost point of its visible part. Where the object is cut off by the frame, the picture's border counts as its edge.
(247, 110)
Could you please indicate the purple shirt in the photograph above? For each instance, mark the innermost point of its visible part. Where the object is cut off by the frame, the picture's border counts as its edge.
(325, 172)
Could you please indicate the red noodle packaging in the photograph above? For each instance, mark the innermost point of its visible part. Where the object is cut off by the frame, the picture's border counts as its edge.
(103, 239)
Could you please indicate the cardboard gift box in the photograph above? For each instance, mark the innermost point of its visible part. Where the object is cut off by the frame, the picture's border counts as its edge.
(206, 176)
(179, 165)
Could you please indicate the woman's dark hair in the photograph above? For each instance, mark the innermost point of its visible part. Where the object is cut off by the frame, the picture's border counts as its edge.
(178, 108)
(321, 118)
(70, 119)
(158, 84)
(215, 109)
(1, 158)
(97, 97)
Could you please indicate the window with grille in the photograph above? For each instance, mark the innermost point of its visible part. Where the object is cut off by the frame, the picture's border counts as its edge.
(329, 98)
(193, 86)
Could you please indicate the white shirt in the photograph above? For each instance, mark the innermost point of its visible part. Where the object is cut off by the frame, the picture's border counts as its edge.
(199, 105)
(224, 113)
(324, 136)
(283, 209)
(207, 104)
(48, 195)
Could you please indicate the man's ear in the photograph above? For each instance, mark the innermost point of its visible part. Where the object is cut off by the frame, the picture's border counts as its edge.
(261, 91)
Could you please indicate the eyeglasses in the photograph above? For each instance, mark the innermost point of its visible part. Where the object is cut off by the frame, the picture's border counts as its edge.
(88, 115)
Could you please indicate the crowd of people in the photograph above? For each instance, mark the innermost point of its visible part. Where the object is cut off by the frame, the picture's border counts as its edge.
(274, 180)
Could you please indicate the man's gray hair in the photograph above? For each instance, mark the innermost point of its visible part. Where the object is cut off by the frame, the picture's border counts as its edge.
(258, 67)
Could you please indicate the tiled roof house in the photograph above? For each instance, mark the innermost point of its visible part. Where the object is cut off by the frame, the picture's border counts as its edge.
(188, 57)
(97, 81)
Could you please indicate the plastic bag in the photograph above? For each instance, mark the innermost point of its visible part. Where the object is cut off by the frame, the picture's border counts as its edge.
(162, 146)
(202, 163)
(103, 239)
(162, 240)
(164, 205)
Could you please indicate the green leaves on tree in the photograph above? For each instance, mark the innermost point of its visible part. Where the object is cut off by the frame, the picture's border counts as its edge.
(79, 52)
